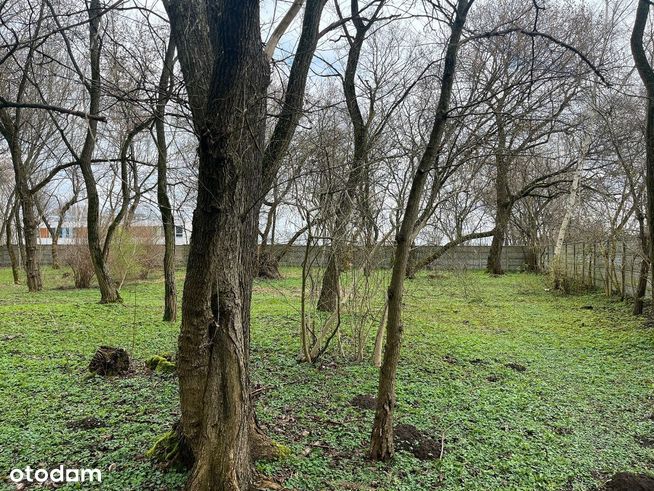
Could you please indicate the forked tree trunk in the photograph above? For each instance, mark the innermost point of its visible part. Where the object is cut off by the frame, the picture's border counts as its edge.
(226, 74)
(381, 445)
(329, 292)
(108, 290)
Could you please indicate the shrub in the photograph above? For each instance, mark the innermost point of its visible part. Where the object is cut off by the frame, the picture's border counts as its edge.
(78, 258)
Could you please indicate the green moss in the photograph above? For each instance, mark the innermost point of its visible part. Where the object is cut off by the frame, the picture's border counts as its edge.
(283, 452)
(160, 364)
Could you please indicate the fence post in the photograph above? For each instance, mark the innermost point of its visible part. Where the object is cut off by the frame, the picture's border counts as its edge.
(594, 261)
(624, 270)
(583, 263)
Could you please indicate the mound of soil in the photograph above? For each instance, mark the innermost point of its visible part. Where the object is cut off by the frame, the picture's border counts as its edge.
(516, 366)
(410, 439)
(626, 481)
(86, 423)
(109, 361)
(364, 402)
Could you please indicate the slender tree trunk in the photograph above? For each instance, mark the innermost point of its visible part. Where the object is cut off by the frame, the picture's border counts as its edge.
(381, 445)
(163, 201)
(15, 266)
(329, 292)
(567, 217)
(647, 76)
(108, 290)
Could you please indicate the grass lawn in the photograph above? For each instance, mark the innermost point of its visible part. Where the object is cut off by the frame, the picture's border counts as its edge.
(581, 411)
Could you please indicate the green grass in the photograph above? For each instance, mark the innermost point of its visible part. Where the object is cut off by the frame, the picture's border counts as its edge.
(580, 412)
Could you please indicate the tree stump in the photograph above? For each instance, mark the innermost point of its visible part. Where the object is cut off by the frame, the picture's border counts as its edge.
(109, 361)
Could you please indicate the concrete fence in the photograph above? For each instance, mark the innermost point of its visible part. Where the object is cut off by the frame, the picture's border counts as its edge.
(514, 258)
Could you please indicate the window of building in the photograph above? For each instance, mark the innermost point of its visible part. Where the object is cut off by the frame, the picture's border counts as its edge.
(179, 231)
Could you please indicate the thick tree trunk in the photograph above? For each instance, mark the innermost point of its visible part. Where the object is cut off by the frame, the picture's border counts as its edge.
(502, 217)
(381, 445)
(30, 230)
(226, 75)
(329, 294)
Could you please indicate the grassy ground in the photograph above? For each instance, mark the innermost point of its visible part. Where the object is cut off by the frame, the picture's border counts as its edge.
(581, 410)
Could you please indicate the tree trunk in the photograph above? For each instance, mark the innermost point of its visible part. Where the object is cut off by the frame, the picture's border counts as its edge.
(329, 292)
(226, 75)
(163, 201)
(30, 229)
(502, 217)
(647, 76)
(381, 445)
(15, 266)
(641, 289)
(108, 290)
(328, 299)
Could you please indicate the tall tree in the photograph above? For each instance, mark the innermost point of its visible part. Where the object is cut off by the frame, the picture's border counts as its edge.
(226, 75)
(647, 76)
(382, 445)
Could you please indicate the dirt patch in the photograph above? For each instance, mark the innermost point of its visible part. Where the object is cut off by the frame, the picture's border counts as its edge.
(10, 337)
(516, 366)
(410, 439)
(450, 359)
(626, 481)
(493, 378)
(645, 441)
(86, 423)
(364, 402)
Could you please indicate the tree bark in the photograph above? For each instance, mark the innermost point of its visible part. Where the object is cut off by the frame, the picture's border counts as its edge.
(502, 217)
(163, 201)
(15, 266)
(647, 76)
(108, 290)
(503, 198)
(381, 445)
(226, 76)
(641, 289)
